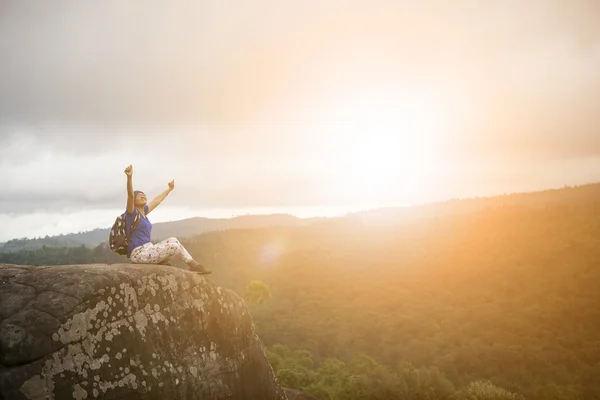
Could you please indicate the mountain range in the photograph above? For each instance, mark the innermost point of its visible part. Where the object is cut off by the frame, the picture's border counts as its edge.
(571, 195)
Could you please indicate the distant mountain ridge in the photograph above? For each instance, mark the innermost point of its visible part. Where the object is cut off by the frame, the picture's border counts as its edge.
(568, 195)
(575, 195)
(160, 230)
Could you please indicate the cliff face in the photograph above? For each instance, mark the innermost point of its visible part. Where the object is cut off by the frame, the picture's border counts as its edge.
(126, 331)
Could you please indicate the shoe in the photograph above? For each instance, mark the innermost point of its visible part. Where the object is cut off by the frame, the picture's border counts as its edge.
(165, 262)
(198, 268)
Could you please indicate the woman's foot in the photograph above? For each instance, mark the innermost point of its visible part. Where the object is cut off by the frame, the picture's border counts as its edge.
(198, 268)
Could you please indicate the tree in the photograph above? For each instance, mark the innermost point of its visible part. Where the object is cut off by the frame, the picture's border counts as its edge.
(257, 292)
(485, 390)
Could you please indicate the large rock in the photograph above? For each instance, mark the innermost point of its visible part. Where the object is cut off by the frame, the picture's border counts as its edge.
(126, 331)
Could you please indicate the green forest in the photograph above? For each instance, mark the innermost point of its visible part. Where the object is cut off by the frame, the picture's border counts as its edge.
(503, 303)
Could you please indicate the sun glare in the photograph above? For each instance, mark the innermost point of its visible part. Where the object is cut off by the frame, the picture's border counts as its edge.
(381, 148)
(380, 134)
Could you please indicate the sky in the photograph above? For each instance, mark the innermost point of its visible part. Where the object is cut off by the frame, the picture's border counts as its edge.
(312, 107)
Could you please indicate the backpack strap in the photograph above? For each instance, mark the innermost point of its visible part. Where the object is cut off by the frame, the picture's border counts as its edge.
(134, 223)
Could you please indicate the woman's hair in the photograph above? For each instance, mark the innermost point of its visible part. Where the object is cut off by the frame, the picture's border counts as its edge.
(135, 193)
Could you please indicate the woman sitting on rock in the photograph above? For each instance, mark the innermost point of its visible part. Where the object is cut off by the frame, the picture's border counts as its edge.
(140, 249)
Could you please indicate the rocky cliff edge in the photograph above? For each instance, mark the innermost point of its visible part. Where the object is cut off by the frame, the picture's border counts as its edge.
(126, 331)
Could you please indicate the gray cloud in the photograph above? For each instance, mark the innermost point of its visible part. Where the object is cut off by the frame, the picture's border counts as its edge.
(258, 193)
(54, 174)
(103, 62)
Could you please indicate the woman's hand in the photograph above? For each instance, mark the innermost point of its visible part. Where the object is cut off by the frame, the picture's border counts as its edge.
(172, 184)
(130, 202)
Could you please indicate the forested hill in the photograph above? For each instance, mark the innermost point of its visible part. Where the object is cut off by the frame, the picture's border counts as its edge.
(576, 195)
(508, 294)
(160, 230)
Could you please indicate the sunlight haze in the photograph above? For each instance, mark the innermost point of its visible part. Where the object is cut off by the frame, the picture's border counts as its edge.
(317, 199)
(313, 108)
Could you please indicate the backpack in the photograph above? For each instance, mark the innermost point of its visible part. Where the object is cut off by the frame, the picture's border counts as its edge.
(118, 240)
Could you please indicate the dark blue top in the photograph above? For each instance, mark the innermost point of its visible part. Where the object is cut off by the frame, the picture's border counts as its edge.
(141, 234)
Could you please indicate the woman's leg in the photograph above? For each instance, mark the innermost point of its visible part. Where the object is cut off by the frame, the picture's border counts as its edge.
(157, 253)
(184, 255)
(175, 248)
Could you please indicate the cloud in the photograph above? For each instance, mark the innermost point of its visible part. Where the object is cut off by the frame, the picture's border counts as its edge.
(56, 175)
(226, 61)
(220, 95)
(80, 76)
(63, 62)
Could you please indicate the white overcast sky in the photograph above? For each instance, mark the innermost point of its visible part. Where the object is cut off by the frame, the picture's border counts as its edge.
(311, 107)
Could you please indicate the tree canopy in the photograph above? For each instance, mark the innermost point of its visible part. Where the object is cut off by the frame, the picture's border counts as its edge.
(493, 304)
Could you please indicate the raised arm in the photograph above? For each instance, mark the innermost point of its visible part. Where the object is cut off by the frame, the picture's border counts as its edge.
(158, 199)
(130, 198)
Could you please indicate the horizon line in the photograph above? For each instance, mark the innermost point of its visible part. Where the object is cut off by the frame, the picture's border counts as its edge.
(341, 211)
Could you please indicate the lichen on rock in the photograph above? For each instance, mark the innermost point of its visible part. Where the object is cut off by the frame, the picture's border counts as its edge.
(115, 330)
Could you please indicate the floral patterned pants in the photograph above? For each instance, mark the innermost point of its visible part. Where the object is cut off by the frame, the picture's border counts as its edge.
(160, 252)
